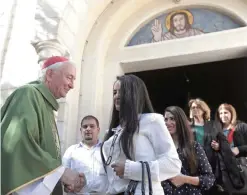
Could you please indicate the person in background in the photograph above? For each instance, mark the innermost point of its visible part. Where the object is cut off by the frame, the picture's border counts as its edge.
(30, 148)
(204, 130)
(136, 134)
(226, 117)
(230, 143)
(200, 117)
(85, 157)
(196, 174)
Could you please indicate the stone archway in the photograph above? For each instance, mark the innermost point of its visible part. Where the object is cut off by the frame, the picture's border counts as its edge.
(105, 56)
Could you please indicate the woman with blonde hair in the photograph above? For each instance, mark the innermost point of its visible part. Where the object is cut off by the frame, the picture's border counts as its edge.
(204, 131)
(196, 106)
(200, 115)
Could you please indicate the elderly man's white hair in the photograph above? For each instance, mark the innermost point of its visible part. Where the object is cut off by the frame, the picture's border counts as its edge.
(53, 63)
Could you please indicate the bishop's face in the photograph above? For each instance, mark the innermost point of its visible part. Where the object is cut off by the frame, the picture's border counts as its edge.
(61, 80)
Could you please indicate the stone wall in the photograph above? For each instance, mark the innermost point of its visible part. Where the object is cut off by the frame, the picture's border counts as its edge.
(33, 30)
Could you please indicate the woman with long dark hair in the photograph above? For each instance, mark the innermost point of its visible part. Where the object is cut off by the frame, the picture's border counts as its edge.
(136, 134)
(196, 174)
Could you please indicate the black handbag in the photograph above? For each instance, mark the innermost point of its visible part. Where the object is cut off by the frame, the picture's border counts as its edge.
(133, 184)
(229, 182)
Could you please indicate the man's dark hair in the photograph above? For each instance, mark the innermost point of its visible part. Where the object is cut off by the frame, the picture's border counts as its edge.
(90, 117)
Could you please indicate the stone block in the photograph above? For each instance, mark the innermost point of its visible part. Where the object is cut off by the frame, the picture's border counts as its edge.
(66, 36)
(46, 28)
(61, 112)
(50, 8)
(80, 6)
(3, 36)
(70, 18)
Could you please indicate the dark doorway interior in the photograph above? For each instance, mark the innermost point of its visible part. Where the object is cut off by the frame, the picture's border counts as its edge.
(216, 83)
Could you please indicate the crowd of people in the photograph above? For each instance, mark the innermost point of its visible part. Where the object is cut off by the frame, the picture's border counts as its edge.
(194, 155)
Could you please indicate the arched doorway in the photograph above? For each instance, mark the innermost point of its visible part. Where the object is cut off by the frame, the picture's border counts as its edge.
(215, 82)
(106, 54)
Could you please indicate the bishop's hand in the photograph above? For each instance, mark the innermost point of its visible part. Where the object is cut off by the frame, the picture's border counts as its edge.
(73, 181)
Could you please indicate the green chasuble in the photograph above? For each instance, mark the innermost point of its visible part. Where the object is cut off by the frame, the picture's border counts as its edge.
(30, 147)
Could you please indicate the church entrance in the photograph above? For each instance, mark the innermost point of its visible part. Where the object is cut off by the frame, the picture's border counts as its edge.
(214, 82)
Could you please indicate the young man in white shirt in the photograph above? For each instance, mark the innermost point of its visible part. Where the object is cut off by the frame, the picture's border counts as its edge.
(85, 157)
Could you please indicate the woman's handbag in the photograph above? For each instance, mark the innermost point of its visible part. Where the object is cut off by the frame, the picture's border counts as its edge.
(133, 184)
(236, 185)
(232, 171)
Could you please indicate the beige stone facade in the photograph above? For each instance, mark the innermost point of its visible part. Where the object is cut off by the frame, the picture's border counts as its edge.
(94, 34)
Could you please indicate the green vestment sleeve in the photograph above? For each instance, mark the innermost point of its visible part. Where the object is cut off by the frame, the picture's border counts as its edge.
(29, 142)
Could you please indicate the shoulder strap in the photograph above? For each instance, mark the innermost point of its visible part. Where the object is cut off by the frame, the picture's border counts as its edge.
(149, 178)
(143, 178)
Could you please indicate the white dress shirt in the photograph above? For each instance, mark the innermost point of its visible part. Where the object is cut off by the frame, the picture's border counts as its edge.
(87, 160)
(42, 186)
(153, 144)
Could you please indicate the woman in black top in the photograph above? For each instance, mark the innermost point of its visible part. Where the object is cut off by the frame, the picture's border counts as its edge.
(235, 132)
(230, 143)
(196, 173)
